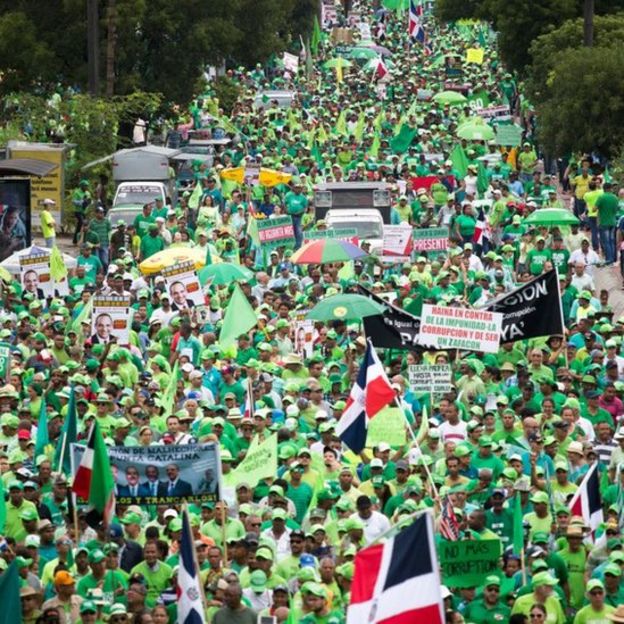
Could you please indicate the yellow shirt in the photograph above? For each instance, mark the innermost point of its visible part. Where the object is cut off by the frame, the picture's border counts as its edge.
(581, 186)
(591, 197)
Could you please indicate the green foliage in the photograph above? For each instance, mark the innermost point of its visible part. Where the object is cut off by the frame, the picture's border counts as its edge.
(546, 49)
(584, 105)
(227, 92)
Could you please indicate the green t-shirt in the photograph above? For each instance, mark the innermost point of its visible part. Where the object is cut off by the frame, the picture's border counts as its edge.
(296, 203)
(156, 580)
(607, 205)
(575, 562)
(466, 225)
(587, 615)
(536, 259)
(479, 613)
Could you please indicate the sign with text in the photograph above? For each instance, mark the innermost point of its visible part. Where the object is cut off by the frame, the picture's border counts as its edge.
(275, 232)
(183, 285)
(397, 243)
(495, 113)
(430, 239)
(460, 328)
(35, 273)
(5, 361)
(163, 474)
(510, 135)
(466, 563)
(340, 233)
(110, 320)
(435, 379)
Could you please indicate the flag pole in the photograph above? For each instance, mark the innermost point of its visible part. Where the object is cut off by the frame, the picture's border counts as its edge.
(223, 532)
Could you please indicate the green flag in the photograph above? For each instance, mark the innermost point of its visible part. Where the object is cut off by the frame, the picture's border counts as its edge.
(168, 398)
(482, 179)
(401, 142)
(239, 318)
(195, 197)
(2, 508)
(11, 612)
(459, 160)
(373, 150)
(42, 442)
(259, 463)
(58, 270)
(341, 124)
(518, 529)
(316, 36)
(69, 435)
(359, 127)
(83, 315)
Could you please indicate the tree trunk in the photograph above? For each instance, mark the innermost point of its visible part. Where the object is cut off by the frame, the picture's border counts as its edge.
(588, 23)
(111, 40)
(93, 48)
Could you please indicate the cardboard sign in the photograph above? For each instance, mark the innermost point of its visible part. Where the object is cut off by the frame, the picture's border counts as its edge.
(430, 239)
(508, 135)
(474, 55)
(466, 563)
(460, 328)
(35, 275)
(275, 232)
(387, 426)
(183, 285)
(111, 319)
(291, 62)
(435, 379)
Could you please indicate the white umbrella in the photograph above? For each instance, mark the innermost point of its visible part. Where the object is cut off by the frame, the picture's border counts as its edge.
(12, 263)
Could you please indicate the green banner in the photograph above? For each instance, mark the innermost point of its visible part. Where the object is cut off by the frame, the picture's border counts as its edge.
(387, 426)
(260, 462)
(509, 135)
(5, 361)
(466, 563)
(479, 99)
(330, 233)
(430, 239)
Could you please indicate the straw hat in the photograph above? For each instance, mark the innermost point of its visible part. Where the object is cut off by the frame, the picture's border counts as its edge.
(617, 615)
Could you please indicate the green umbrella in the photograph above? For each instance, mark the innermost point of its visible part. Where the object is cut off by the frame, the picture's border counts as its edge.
(337, 62)
(395, 5)
(551, 216)
(361, 53)
(345, 307)
(476, 132)
(224, 273)
(449, 97)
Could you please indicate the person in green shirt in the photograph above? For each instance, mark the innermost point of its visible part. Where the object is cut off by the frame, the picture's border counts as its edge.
(490, 609)
(596, 611)
(607, 206)
(537, 258)
(152, 243)
(574, 555)
(112, 582)
(542, 594)
(465, 224)
(81, 199)
(156, 573)
(92, 263)
(296, 204)
(15, 506)
(142, 221)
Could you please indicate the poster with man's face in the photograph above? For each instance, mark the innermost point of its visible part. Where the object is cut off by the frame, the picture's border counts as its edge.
(14, 216)
(35, 276)
(110, 321)
(183, 286)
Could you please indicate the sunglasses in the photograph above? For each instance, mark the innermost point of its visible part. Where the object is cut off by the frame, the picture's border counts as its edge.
(119, 618)
(596, 592)
(537, 616)
(494, 589)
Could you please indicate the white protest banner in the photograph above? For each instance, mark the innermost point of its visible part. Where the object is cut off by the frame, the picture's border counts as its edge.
(460, 328)
(397, 243)
(495, 113)
(291, 62)
(183, 285)
(110, 319)
(35, 274)
(252, 174)
(435, 379)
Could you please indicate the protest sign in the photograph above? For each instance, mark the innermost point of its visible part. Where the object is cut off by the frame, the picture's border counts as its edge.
(466, 563)
(531, 311)
(394, 329)
(291, 62)
(435, 379)
(304, 334)
(273, 232)
(35, 275)
(339, 233)
(252, 174)
(510, 135)
(424, 94)
(479, 99)
(163, 474)
(425, 182)
(397, 243)
(474, 55)
(460, 328)
(387, 426)
(183, 285)
(110, 319)
(5, 361)
(430, 239)
(259, 463)
(495, 113)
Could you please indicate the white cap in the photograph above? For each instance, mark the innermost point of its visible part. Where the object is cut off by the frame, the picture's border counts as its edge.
(48, 202)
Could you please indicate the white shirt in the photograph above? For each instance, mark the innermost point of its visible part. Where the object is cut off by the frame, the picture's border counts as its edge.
(589, 260)
(374, 526)
(455, 433)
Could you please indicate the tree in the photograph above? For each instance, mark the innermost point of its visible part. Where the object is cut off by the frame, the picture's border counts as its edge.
(583, 107)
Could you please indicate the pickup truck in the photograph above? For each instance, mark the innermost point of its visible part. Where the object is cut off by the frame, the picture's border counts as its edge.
(367, 222)
(130, 198)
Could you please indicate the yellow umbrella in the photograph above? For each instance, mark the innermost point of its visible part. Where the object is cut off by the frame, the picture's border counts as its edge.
(175, 255)
(266, 177)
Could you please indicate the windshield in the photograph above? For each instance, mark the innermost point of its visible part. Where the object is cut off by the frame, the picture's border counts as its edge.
(127, 215)
(133, 195)
(365, 229)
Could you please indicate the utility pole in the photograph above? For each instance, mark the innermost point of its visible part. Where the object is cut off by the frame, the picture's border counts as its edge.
(588, 23)
(111, 40)
(93, 48)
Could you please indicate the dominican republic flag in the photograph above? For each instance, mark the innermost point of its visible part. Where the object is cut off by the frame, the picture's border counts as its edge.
(94, 481)
(190, 606)
(370, 394)
(586, 500)
(482, 229)
(398, 582)
(381, 71)
(249, 400)
(415, 11)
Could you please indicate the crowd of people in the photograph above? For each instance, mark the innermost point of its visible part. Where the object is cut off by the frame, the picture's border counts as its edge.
(529, 421)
